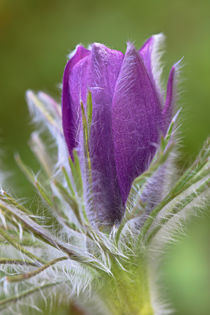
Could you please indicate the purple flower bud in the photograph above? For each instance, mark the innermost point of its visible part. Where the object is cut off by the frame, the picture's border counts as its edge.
(129, 116)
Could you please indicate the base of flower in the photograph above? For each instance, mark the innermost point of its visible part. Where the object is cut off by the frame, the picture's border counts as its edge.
(127, 292)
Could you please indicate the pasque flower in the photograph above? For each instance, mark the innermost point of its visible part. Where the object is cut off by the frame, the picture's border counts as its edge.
(129, 115)
(120, 134)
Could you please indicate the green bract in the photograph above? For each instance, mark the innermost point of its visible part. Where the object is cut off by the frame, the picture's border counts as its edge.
(105, 270)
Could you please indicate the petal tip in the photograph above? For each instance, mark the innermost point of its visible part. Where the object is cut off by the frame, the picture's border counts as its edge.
(175, 69)
(98, 46)
(178, 64)
(100, 51)
(159, 36)
(131, 49)
(78, 50)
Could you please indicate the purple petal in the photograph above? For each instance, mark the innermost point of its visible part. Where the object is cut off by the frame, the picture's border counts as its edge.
(68, 111)
(97, 72)
(146, 54)
(136, 120)
(104, 71)
(169, 105)
(151, 54)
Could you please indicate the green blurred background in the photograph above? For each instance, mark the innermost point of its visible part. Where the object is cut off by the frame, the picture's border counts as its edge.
(35, 38)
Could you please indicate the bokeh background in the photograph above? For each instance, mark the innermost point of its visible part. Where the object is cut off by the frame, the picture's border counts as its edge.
(35, 38)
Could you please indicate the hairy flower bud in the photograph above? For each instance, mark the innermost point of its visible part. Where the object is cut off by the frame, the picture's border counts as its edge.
(129, 116)
(120, 134)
